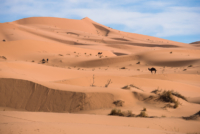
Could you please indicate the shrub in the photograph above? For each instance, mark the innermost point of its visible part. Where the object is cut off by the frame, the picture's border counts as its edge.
(126, 87)
(176, 103)
(116, 112)
(179, 95)
(142, 114)
(118, 103)
(167, 96)
(123, 68)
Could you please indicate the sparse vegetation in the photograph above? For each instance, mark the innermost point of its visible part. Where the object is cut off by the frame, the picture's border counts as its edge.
(190, 66)
(3, 57)
(144, 109)
(93, 81)
(176, 104)
(118, 112)
(118, 103)
(138, 62)
(163, 116)
(168, 96)
(108, 83)
(126, 87)
(123, 68)
(142, 114)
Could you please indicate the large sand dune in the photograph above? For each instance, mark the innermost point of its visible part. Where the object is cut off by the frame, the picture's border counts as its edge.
(90, 67)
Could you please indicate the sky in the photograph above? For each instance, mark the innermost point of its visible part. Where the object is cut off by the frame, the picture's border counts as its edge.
(177, 20)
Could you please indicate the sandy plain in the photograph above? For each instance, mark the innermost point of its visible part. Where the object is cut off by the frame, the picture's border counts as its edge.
(89, 67)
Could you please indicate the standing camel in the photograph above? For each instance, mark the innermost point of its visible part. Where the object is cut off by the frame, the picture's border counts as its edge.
(152, 69)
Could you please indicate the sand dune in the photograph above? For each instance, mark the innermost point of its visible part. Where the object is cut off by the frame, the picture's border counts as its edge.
(79, 70)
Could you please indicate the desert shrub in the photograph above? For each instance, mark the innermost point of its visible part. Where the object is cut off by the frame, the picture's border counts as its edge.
(118, 103)
(116, 112)
(163, 116)
(179, 95)
(108, 83)
(176, 104)
(190, 66)
(156, 91)
(126, 87)
(167, 96)
(142, 114)
(131, 85)
(144, 109)
(169, 106)
(123, 68)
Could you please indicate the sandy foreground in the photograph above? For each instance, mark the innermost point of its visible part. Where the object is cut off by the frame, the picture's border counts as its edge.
(90, 67)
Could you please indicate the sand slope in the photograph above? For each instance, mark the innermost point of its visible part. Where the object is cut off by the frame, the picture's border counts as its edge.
(70, 66)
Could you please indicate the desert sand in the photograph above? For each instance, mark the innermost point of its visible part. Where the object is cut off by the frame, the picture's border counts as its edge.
(65, 76)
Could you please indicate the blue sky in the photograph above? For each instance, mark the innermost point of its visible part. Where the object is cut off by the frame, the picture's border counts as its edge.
(177, 20)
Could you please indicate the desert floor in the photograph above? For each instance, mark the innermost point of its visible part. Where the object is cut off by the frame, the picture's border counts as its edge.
(90, 67)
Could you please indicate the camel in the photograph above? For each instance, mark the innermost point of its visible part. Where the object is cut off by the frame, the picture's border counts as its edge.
(152, 69)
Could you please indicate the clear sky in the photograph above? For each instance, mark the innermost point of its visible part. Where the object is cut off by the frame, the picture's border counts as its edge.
(177, 20)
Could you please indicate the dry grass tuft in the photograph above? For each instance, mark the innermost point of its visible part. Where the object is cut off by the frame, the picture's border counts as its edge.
(144, 109)
(126, 87)
(118, 112)
(118, 103)
(168, 96)
(142, 114)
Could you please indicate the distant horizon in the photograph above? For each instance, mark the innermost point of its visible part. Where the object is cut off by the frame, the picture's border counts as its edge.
(172, 20)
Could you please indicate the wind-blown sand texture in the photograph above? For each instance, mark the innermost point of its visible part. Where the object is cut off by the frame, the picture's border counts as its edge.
(89, 67)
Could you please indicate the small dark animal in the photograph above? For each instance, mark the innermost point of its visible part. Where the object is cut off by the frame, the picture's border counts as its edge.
(99, 53)
(152, 69)
(4, 40)
(47, 60)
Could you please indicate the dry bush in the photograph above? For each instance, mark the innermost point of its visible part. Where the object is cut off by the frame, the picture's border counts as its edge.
(123, 68)
(126, 87)
(142, 114)
(176, 104)
(144, 109)
(108, 83)
(179, 95)
(131, 85)
(190, 66)
(166, 96)
(169, 106)
(118, 103)
(118, 112)
(196, 116)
